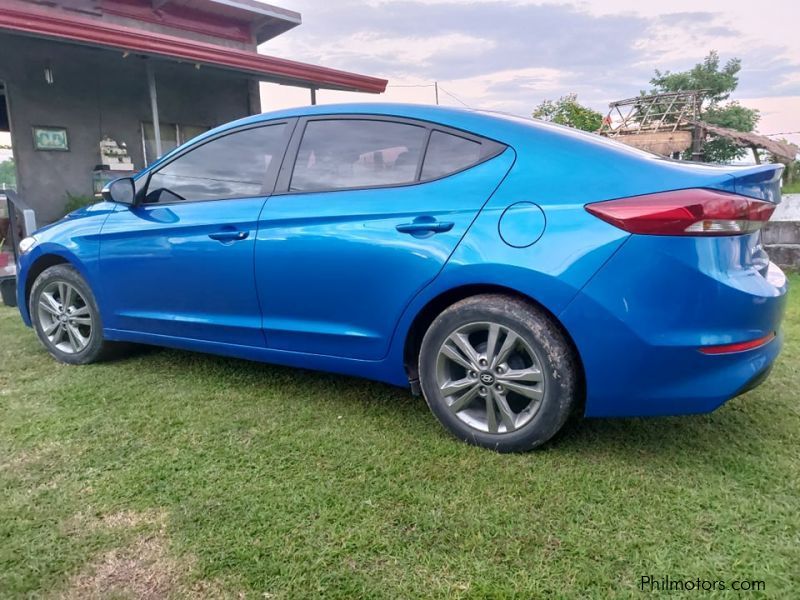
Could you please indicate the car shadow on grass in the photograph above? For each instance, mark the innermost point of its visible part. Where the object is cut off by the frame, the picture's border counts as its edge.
(723, 440)
(230, 373)
(690, 439)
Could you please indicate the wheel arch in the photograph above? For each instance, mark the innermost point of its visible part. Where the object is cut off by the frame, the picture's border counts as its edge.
(39, 266)
(435, 306)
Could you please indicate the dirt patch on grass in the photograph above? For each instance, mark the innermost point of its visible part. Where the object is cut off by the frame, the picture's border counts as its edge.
(130, 519)
(142, 569)
(18, 463)
(150, 520)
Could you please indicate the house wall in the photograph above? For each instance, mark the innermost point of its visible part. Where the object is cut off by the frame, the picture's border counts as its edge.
(98, 93)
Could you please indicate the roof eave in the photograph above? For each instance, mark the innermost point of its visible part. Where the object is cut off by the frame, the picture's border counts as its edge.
(268, 21)
(268, 68)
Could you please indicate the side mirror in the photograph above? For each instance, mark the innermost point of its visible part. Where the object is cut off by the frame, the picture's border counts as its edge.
(122, 191)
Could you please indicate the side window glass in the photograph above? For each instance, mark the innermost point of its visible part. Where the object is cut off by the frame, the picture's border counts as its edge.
(352, 153)
(448, 154)
(169, 140)
(233, 166)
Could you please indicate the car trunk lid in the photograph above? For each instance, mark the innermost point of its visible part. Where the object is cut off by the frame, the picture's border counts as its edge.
(762, 182)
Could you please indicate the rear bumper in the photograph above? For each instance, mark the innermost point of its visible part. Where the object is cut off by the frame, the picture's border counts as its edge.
(640, 322)
(756, 381)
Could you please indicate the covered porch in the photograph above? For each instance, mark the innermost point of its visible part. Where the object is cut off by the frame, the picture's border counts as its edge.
(117, 90)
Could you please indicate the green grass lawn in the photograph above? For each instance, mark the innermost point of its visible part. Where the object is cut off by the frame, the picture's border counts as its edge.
(171, 474)
(791, 188)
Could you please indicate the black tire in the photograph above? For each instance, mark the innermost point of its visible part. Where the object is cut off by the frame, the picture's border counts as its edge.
(96, 348)
(558, 368)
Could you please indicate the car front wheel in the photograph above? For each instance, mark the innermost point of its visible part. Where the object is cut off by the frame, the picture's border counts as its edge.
(66, 318)
(498, 373)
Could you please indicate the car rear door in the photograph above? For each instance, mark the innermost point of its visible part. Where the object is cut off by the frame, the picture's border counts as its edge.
(180, 262)
(362, 219)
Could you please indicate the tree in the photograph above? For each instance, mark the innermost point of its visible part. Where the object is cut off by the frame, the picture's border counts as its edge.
(734, 116)
(8, 174)
(568, 111)
(718, 82)
(707, 75)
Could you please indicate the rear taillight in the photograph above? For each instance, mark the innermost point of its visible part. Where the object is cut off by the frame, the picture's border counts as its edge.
(700, 212)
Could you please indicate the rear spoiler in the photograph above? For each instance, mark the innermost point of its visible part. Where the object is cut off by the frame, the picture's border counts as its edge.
(759, 181)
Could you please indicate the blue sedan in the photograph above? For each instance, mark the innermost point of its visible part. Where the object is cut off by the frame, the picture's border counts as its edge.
(513, 272)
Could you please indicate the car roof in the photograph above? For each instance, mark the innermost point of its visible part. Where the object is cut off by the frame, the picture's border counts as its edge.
(445, 115)
(510, 130)
(505, 128)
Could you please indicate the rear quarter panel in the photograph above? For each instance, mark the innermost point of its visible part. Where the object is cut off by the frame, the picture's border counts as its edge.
(640, 321)
(560, 170)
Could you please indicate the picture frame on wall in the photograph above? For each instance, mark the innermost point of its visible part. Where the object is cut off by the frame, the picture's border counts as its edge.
(49, 139)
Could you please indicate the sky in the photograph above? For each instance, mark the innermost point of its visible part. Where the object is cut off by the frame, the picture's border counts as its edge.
(509, 55)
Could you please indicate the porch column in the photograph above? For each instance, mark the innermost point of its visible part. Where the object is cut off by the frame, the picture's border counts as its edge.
(151, 84)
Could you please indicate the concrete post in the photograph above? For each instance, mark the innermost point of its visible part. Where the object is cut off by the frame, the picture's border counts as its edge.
(151, 84)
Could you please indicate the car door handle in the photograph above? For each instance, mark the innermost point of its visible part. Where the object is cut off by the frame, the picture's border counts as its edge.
(425, 225)
(229, 236)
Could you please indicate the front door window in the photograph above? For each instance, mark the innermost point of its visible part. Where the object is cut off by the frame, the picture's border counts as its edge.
(237, 165)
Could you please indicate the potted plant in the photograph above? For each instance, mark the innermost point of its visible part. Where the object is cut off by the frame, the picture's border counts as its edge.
(76, 201)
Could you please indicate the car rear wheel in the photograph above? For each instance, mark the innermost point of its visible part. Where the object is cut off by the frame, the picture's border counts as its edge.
(498, 373)
(66, 318)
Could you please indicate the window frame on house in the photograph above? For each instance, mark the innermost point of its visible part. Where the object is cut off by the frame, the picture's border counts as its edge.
(180, 136)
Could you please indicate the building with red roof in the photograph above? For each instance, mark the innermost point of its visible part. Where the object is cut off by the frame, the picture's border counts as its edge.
(93, 89)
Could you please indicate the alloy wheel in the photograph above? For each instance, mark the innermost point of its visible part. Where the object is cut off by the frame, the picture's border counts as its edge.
(65, 317)
(490, 377)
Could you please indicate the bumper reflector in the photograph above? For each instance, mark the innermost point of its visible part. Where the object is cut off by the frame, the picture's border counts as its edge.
(739, 346)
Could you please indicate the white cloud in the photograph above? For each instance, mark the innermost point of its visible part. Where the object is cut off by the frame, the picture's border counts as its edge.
(417, 51)
(511, 54)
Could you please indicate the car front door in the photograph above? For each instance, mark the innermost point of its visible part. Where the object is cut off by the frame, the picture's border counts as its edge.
(179, 263)
(359, 223)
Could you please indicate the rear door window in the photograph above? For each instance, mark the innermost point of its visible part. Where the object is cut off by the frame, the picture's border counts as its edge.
(337, 154)
(449, 154)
